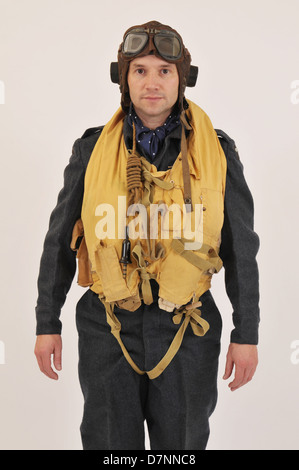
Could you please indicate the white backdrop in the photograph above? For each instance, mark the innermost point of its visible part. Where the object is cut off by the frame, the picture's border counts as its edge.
(54, 83)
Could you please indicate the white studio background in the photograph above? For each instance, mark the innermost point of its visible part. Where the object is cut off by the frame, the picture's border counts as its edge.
(54, 83)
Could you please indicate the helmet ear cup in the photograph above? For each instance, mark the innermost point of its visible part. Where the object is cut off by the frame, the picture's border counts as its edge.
(114, 72)
(192, 78)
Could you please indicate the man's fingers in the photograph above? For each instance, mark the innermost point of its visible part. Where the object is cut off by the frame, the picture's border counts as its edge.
(242, 377)
(238, 379)
(244, 358)
(228, 368)
(40, 362)
(46, 347)
(48, 367)
(44, 362)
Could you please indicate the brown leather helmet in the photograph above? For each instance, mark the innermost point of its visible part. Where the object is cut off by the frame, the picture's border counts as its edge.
(162, 41)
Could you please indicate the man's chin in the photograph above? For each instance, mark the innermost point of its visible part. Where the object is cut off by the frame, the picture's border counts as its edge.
(153, 111)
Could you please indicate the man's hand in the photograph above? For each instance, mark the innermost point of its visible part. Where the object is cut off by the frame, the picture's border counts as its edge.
(245, 359)
(45, 346)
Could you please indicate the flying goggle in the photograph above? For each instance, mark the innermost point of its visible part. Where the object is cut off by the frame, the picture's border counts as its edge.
(167, 43)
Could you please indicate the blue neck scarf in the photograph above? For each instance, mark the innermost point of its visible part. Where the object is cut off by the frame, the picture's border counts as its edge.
(151, 140)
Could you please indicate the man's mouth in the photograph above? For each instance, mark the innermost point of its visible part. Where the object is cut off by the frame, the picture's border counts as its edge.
(153, 98)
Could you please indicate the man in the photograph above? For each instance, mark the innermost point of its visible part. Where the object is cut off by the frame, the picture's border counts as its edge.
(160, 363)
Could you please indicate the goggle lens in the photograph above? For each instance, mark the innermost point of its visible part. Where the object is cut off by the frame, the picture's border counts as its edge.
(134, 43)
(168, 46)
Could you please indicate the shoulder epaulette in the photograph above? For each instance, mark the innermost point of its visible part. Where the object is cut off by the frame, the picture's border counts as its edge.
(92, 131)
(222, 135)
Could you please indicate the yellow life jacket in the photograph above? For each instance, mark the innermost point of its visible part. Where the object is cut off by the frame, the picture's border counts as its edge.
(182, 265)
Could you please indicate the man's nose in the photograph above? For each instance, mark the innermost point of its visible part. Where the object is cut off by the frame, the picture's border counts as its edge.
(152, 81)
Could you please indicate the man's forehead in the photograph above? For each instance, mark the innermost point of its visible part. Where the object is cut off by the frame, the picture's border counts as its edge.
(150, 61)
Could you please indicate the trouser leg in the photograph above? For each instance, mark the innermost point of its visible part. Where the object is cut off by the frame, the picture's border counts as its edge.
(114, 394)
(181, 400)
(177, 404)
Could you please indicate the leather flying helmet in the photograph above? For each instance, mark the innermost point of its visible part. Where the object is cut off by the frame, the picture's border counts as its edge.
(162, 41)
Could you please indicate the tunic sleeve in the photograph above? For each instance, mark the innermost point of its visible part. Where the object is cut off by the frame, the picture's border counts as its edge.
(58, 261)
(239, 248)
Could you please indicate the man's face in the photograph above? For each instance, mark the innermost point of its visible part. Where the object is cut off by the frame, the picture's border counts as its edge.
(153, 85)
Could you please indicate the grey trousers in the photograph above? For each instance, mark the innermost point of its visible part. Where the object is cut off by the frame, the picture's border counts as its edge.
(176, 405)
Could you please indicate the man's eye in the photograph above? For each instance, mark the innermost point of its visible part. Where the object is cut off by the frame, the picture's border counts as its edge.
(165, 71)
(139, 71)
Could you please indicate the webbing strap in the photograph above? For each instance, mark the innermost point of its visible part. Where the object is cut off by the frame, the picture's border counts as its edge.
(149, 181)
(185, 164)
(115, 330)
(214, 261)
(192, 316)
(145, 277)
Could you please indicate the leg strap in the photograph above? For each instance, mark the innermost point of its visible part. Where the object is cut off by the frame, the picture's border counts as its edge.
(192, 316)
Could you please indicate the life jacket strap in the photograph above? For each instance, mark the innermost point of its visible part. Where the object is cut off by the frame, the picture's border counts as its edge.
(213, 262)
(192, 315)
(149, 181)
(145, 276)
(185, 164)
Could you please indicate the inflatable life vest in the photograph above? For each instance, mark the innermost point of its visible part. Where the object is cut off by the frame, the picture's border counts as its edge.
(177, 248)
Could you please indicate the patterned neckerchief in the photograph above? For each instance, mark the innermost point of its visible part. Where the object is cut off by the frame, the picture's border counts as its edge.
(151, 140)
